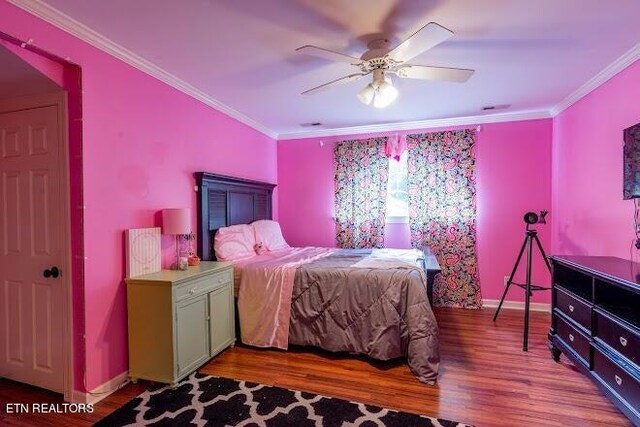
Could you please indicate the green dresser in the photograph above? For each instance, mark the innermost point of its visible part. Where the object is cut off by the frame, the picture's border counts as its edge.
(178, 320)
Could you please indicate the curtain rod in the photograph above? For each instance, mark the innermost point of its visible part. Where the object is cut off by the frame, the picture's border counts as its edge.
(322, 143)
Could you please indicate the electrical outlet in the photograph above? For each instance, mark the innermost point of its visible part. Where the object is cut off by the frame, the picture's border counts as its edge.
(506, 280)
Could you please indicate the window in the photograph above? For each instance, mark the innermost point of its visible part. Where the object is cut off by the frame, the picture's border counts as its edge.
(397, 196)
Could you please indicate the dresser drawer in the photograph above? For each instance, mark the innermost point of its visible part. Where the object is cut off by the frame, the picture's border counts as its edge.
(203, 285)
(617, 378)
(618, 336)
(575, 308)
(580, 343)
(221, 278)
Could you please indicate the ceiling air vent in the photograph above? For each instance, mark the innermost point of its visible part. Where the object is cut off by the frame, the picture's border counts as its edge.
(496, 107)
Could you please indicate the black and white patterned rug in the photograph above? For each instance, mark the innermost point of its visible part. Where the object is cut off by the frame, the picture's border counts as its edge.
(202, 400)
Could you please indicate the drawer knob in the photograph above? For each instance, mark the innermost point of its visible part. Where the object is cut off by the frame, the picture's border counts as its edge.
(193, 290)
(571, 308)
(571, 337)
(618, 380)
(623, 341)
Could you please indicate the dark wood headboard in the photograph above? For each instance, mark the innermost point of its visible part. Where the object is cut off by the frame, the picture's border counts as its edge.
(226, 200)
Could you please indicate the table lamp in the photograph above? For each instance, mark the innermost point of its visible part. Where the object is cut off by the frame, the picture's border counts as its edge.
(178, 223)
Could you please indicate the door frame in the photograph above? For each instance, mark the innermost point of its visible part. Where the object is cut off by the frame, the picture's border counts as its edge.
(58, 99)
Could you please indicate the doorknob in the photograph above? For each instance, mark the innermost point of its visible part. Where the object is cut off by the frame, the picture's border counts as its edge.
(53, 272)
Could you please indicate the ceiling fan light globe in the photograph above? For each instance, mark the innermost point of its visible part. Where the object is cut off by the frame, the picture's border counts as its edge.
(385, 95)
(366, 94)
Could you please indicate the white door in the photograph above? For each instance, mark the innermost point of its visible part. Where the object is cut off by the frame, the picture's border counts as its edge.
(32, 244)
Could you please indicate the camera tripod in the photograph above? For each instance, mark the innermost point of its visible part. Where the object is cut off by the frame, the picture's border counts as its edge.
(531, 236)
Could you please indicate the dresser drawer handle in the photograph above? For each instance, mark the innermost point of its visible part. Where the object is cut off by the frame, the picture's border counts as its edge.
(571, 308)
(623, 341)
(571, 337)
(193, 290)
(618, 380)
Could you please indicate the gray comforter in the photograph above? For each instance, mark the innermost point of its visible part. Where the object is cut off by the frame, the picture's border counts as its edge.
(383, 313)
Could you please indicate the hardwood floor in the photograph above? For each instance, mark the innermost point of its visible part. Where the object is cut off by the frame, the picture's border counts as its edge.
(485, 379)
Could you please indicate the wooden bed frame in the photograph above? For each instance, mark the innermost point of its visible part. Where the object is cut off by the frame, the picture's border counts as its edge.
(224, 201)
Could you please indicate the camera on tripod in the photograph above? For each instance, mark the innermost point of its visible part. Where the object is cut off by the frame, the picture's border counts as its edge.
(533, 218)
(531, 238)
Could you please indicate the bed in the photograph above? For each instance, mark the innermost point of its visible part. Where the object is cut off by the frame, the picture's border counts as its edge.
(363, 301)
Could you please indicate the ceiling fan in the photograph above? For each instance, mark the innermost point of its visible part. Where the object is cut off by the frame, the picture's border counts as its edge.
(380, 60)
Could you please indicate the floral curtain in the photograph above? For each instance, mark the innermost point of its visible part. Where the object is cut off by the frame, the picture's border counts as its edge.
(361, 172)
(442, 211)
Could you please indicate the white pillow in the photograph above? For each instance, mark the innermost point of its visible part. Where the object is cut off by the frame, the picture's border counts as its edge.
(234, 242)
(268, 235)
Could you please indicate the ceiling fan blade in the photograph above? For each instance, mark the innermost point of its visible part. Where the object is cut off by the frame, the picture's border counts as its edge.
(424, 72)
(331, 55)
(422, 40)
(341, 80)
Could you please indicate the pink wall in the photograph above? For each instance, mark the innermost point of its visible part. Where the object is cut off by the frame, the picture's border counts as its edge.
(142, 140)
(590, 216)
(513, 163)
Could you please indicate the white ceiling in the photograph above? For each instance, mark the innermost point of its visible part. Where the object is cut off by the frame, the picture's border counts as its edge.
(531, 55)
(17, 78)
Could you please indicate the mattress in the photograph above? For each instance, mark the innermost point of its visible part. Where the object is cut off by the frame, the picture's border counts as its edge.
(362, 301)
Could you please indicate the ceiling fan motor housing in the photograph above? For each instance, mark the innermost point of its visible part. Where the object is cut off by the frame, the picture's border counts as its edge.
(376, 57)
(381, 63)
(377, 49)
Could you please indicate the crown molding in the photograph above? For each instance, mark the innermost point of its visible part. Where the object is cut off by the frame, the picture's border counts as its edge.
(628, 58)
(64, 22)
(420, 124)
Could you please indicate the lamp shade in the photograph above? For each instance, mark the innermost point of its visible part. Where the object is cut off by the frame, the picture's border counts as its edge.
(366, 94)
(176, 221)
(385, 94)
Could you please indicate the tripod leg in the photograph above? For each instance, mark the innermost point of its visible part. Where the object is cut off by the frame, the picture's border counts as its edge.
(527, 296)
(513, 273)
(544, 255)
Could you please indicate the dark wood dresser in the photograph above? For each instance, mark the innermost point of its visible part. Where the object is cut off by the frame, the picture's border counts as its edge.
(596, 324)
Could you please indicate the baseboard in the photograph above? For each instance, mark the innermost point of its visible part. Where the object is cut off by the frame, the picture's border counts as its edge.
(100, 392)
(517, 305)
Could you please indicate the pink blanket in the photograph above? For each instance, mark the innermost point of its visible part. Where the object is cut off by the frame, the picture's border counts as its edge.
(264, 294)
